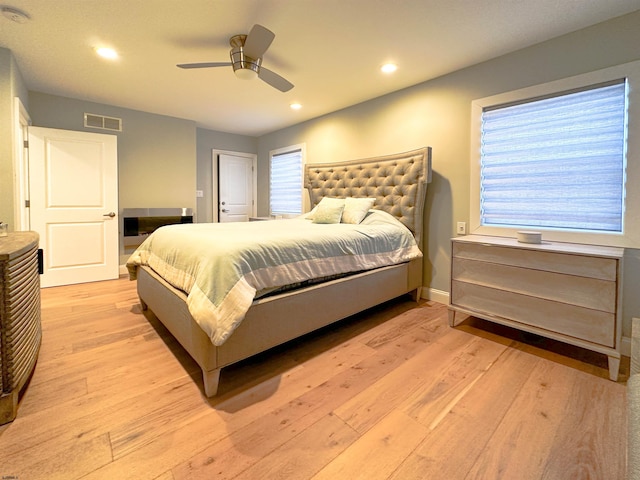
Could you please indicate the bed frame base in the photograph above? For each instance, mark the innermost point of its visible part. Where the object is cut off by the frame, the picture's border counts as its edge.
(274, 320)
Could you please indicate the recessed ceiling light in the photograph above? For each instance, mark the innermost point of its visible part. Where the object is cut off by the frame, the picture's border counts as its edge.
(106, 52)
(295, 106)
(389, 68)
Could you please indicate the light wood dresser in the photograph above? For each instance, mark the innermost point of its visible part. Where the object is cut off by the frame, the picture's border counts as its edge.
(20, 329)
(564, 291)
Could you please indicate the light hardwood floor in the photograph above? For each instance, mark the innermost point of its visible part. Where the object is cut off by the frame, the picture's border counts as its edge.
(393, 393)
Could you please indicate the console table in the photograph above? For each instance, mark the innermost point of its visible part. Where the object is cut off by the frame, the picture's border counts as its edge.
(568, 292)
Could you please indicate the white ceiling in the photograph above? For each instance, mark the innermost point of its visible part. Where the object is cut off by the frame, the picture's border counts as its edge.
(330, 50)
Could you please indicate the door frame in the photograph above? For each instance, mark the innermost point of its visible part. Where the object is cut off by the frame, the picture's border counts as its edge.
(215, 175)
(21, 123)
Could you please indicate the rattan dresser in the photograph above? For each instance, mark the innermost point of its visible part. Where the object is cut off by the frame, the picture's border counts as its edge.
(20, 329)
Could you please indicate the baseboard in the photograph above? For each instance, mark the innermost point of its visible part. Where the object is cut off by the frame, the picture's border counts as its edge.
(123, 270)
(439, 296)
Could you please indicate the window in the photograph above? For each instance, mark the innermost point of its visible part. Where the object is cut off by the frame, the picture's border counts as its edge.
(555, 162)
(286, 167)
(556, 158)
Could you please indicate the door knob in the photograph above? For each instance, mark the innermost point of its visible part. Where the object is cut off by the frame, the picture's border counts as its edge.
(224, 210)
(110, 214)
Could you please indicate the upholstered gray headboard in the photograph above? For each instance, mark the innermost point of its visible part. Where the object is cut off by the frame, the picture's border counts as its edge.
(398, 183)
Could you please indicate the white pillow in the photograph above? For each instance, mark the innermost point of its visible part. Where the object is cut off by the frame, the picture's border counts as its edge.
(355, 209)
(329, 210)
(309, 215)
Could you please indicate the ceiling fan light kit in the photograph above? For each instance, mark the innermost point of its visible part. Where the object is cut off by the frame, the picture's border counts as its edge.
(246, 58)
(246, 73)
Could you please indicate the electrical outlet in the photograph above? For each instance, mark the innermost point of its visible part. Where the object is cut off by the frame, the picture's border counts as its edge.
(199, 193)
(462, 228)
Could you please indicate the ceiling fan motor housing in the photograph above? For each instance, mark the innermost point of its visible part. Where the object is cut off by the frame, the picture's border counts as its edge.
(243, 66)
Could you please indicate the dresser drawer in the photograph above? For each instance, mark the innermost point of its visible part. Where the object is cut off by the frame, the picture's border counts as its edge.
(585, 292)
(582, 323)
(571, 264)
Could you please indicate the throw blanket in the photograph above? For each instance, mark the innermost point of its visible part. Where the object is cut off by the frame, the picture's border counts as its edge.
(221, 266)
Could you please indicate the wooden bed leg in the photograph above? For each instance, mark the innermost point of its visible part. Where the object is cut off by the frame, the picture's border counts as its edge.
(211, 380)
(415, 294)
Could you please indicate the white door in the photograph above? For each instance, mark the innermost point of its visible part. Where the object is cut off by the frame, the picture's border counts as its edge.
(73, 185)
(235, 180)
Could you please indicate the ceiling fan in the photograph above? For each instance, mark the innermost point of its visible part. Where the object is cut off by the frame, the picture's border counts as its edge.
(246, 58)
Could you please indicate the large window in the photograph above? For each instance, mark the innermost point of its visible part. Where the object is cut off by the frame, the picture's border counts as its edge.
(555, 158)
(556, 162)
(286, 168)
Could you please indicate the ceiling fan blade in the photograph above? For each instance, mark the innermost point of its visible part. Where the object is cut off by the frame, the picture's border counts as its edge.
(257, 41)
(204, 65)
(275, 80)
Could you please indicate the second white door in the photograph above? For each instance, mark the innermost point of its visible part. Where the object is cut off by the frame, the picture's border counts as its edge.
(235, 188)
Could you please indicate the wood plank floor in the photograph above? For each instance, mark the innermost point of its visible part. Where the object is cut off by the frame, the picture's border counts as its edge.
(393, 393)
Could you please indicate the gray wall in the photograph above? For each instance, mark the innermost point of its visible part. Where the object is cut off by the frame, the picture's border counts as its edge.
(156, 154)
(162, 160)
(437, 113)
(11, 85)
(208, 140)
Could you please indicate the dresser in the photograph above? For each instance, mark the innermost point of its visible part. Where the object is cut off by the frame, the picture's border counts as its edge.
(568, 292)
(20, 329)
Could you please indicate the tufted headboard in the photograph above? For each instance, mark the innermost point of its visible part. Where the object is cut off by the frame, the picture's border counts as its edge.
(398, 183)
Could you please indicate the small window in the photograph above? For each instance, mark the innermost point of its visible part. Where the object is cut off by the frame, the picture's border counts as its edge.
(285, 181)
(556, 162)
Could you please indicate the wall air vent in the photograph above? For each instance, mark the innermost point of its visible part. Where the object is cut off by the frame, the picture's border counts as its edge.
(105, 123)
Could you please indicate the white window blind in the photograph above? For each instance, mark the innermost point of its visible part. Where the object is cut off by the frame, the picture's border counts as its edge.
(556, 162)
(285, 183)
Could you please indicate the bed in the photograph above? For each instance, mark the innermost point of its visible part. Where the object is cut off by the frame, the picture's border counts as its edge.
(398, 185)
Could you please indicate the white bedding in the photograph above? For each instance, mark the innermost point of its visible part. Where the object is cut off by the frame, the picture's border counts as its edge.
(221, 266)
